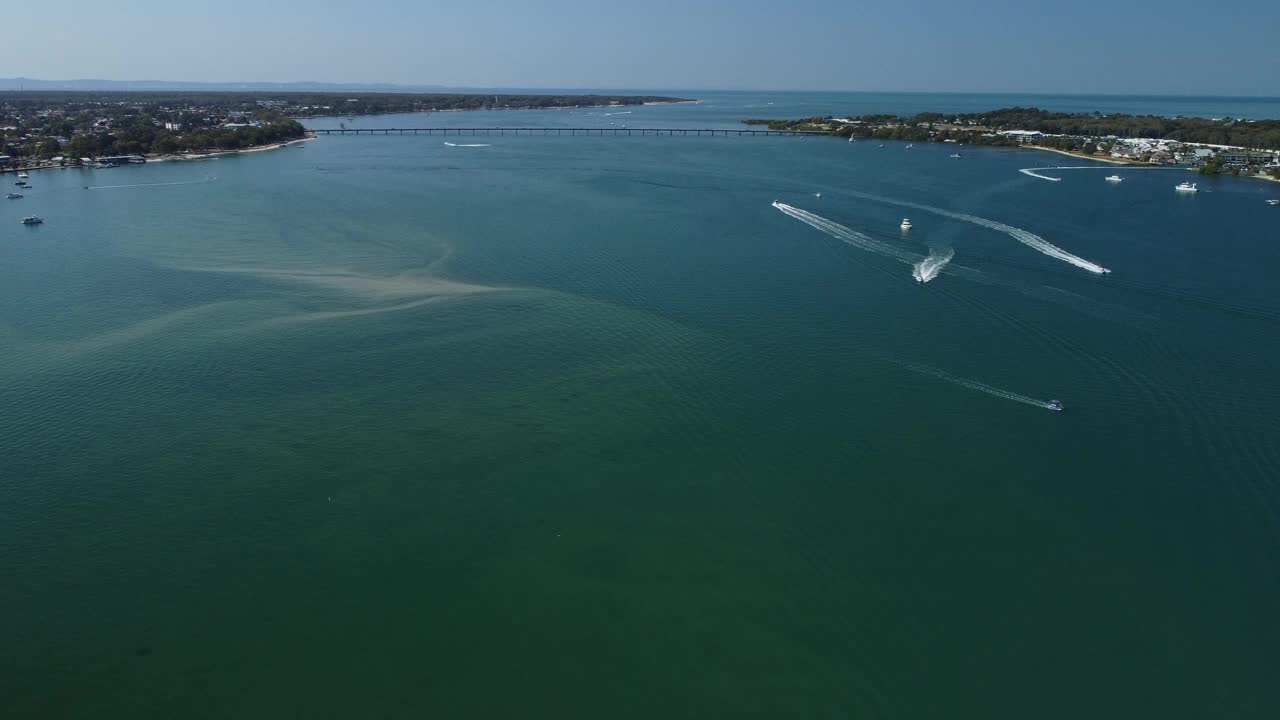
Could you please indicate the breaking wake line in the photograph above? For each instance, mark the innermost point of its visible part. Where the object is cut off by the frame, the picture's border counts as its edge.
(928, 268)
(1032, 171)
(468, 144)
(1025, 237)
(851, 237)
(982, 387)
(207, 178)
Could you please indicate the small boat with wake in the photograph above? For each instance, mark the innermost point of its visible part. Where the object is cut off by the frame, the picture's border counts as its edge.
(906, 224)
(1114, 179)
(955, 155)
(1054, 405)
(1273, 202)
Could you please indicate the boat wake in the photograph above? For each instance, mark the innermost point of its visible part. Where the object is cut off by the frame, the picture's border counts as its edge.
(1032, 171)
(928, 268)
(468, 144)
(982, 387)
(1025, 237)
(851, 237)
(205, 179)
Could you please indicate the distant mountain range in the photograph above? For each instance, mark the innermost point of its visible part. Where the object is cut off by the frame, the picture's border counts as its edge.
(9, 84)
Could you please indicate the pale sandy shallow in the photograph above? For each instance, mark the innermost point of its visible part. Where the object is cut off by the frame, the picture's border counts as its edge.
(221, 153)
(1082, 156)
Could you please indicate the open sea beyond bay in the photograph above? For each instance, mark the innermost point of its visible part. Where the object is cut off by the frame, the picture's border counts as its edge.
(588, 427)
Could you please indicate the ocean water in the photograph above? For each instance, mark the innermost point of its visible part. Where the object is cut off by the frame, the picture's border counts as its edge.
(590, 427)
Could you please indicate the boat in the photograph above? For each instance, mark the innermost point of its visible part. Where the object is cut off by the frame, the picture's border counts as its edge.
(955, 155)
(1273, 202)
(850, 138)
(20, 182)
(909, 146)
(817, 195)
(32, 220)
(25, 186)
(1186, 187)
(906, 224)
(1055, 405)
(14, 196)
(1114, 178)
(23, 175)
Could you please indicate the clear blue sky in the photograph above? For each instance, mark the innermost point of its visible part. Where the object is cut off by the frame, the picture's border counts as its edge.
(1229, 47)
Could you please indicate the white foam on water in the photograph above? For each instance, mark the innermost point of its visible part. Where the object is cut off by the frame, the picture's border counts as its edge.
(1025, 237)
(1032, 171)
(979, 386)
(847, 235)
(205, 179)
(928, 268)
(467, 144)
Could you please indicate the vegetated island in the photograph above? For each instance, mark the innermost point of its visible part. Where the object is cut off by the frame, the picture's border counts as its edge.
(1242, 147)
(57, 128)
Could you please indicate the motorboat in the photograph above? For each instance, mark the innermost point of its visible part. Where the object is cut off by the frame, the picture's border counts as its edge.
(32, 220)
(955, 155)
(23, 175)
(906, 224)
(1273, 202)
(1114, 179)
(1186, 187)
(14, 196)
(817, 195)
(1055, 405)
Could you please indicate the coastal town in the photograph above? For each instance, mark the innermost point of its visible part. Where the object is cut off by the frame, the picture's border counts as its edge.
(45, 129)
(1214, 146)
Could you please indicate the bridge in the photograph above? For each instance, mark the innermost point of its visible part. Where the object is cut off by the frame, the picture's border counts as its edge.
(483, 131)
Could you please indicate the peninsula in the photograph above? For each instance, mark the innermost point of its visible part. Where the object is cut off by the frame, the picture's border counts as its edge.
(1245, 147)
(57, 128)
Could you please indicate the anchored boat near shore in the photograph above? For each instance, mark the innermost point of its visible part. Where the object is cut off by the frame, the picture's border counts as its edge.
(1189, 187)
(32, 220)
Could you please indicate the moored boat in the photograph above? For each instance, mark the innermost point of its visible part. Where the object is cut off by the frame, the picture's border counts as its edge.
(32, 220)
(1186, 187)
(1114, 179)
(14, 196)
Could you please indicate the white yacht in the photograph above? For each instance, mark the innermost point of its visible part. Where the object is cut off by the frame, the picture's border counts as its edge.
(1273, 202)
(1114, 178)
(906, 224)
(1186, 187)
(32, 220)
(23, 175)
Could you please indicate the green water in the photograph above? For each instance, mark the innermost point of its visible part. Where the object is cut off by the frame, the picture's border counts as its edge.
(586, 428)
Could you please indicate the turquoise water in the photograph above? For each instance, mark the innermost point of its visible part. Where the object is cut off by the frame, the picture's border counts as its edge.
(585, 427)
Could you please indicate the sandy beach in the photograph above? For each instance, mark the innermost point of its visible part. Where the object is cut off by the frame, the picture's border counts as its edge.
(1083, 156)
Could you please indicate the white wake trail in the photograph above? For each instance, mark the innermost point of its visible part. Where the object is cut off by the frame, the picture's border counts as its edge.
(207, 178)
(980, 387)
(1032, 171)
(928, 268)
(851, 237)
(467, 144)
(1025, 237)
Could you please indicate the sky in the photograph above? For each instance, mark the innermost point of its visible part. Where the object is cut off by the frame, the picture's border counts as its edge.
(1181, 47)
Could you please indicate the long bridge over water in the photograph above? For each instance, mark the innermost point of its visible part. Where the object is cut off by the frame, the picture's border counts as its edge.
(483, 131)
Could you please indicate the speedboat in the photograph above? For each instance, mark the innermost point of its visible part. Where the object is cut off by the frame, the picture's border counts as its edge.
(906, 224)
(1055, 405)
(1114, 178)
(23, 175)
(955, 155)
(1186, 187)
(817, 195)
(14, 196)
(32, 220)
(1273, 202)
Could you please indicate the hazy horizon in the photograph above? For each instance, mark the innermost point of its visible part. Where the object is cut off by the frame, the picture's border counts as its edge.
(991, 46)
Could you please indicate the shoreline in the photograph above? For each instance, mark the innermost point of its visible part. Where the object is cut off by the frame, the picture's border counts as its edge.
(1083, 156)
(180, 157)
(497, 109)
(222, 153)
